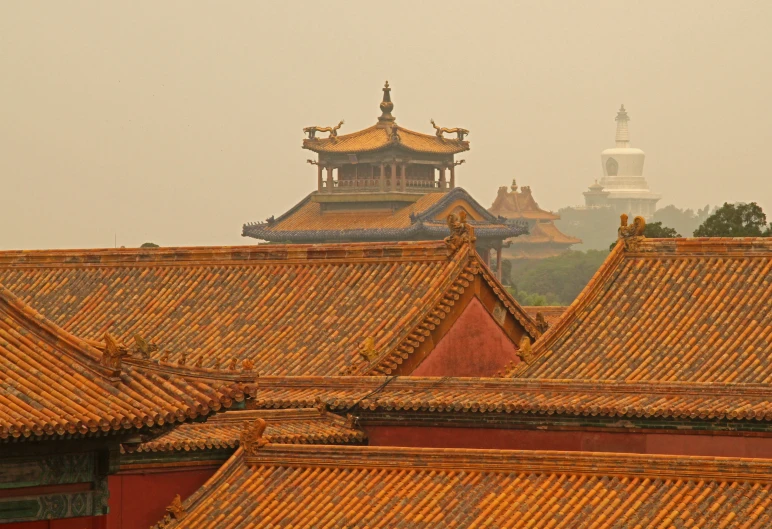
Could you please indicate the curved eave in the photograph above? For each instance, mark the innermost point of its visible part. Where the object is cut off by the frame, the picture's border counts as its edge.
(318, 148)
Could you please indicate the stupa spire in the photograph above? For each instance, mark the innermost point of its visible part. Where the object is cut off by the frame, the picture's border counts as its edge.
(623, 133)
(386, 106)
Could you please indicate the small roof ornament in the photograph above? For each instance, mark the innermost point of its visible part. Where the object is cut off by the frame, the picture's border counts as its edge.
(386, 106)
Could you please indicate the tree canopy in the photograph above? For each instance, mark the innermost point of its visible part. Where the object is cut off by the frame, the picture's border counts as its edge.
(683, 221)
(149, 245)
(554, 280)
(735, 220)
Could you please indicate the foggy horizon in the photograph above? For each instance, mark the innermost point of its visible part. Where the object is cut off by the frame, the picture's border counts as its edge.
(176, 123)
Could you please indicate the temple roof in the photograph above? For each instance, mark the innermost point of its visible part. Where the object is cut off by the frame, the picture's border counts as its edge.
(479, 396)
(52, 383)
(424, 218)
(351, 486)
(667, 310)
(514, 204)
(385, 133)
(304, 426)
(286, 309)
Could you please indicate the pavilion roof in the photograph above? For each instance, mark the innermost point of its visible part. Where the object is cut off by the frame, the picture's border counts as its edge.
(282, 309)
(303, 425)
(519, 204)
(378, 137)
(306, 222)
(667, 310)
(52, 383)
(352, 486)
(544, 233)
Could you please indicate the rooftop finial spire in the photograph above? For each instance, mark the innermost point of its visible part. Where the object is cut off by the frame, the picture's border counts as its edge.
(386, 105)
(623, 133)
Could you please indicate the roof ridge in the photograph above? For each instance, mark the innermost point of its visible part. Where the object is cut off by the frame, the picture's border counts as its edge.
(248, 254)
(532, 461)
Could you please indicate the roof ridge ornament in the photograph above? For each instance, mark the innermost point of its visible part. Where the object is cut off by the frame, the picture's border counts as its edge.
(311, 131)
(386, 106)
(251, 438)
(525, 352)
(142, 347)
(113, 352)
(633, 235)
(460, 133)
(461, 233)
(176, 512)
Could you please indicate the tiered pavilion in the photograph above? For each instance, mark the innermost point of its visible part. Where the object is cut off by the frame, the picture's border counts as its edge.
(385, 183)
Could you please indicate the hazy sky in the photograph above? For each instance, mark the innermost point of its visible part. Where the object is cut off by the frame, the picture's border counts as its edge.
(176, 122)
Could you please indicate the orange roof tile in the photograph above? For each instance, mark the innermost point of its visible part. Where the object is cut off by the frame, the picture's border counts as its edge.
(349, 486)
(516, 204)
(52, 383)
(304, 426)
(379, 137)
(307, 222)
(292, 310)
(520, 396)
(674, 310)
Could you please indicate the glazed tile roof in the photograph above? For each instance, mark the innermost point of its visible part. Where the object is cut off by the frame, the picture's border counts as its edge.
(674, 310)
(291, 310)
(52, 383)
(681, 401)
(349, 486)
(304, 426)
(516, 204)
(379, 137)
(306, 222)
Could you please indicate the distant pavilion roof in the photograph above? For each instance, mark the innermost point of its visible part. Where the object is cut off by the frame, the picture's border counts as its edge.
(385, 133)
(307, 222)
(520, 204)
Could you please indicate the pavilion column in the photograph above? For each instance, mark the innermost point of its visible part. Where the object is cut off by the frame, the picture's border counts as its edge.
(452, 176)
(394, 175)
(498, 262)
(319, 178)
(329, 178)
(382, 179)
(442, 178)
(403, 170)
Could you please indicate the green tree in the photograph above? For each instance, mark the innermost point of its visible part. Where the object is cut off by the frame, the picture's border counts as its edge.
(149, 245)
(735, 220)
(655, 230)
(681, 220)
(595, 226)
(556, 280)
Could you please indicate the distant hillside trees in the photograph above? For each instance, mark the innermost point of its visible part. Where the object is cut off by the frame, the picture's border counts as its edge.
(595, 226)
(149, 245)
(684, 221)
(554, 280)
(736, 220)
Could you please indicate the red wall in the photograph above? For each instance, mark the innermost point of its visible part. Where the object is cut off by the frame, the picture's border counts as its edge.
(638, 443)
(93, 522)
(474, 347)
(139, 499)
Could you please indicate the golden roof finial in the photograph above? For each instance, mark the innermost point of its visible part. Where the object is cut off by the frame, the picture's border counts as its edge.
(514, 185)
(386, 106)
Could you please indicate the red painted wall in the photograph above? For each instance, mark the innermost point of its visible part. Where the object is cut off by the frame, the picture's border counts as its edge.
(139, 499)
(474, 347)
(93, 522)
(638, 443)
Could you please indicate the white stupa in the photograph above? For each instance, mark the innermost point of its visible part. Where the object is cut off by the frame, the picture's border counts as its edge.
(628, 191)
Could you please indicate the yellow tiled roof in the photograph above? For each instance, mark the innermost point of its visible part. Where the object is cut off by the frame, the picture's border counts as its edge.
(349, 486)
(378, 137)
(674, 310)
